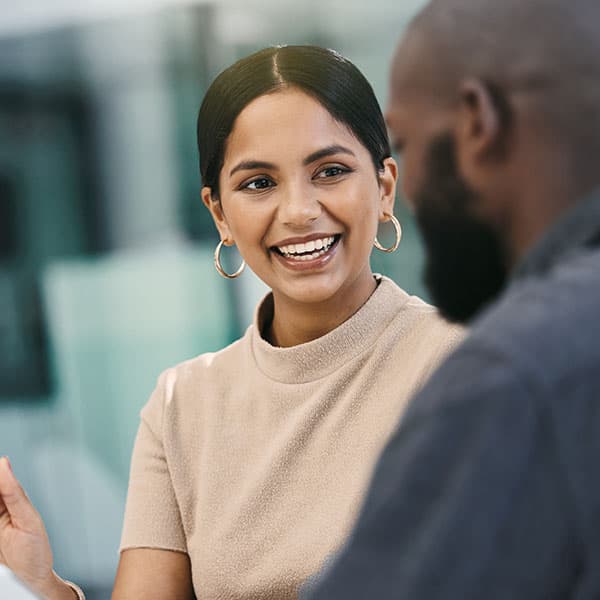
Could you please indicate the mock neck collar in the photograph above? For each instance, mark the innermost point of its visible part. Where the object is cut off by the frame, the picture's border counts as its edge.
(318, 358)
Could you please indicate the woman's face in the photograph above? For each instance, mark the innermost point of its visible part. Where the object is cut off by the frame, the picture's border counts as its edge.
(300, 197)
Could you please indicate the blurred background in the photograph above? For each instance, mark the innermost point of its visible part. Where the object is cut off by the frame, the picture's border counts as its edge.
(106, 274)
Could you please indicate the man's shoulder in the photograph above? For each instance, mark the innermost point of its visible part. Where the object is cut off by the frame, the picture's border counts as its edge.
(539, 340)
(548, 314)
(544, 330)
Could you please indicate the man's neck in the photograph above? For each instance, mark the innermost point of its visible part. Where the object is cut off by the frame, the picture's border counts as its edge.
(545, 197)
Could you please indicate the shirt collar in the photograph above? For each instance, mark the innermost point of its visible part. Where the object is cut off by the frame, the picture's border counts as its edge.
(578, 228)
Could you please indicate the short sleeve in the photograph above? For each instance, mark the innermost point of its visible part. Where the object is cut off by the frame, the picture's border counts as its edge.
(152, 515)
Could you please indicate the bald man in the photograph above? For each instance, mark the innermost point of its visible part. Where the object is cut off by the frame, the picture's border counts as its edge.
(491, 487)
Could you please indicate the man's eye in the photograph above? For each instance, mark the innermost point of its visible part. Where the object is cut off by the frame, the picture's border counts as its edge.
(398, 146)
(258, 184)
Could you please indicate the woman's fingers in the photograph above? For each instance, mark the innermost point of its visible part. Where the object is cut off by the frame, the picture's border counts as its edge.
(24, 546)
(14, 503)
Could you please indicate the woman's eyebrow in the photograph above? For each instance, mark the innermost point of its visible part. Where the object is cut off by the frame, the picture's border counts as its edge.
(249, 165)
(327, 151)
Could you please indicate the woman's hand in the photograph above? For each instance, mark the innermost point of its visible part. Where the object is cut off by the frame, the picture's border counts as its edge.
(24, 545)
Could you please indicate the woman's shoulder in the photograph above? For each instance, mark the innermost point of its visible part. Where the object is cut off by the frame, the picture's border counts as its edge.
(209, 365)
(418, 338)
(193, 378)
(421, 318)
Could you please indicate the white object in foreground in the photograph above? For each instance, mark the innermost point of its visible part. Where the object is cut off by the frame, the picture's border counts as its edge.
(11, 587)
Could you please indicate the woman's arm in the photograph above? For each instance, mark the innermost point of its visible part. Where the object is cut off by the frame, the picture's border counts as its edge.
(24, 548)
(153, 575)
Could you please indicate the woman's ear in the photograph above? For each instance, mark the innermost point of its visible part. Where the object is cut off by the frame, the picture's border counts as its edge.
(388, 178)
(216, 211)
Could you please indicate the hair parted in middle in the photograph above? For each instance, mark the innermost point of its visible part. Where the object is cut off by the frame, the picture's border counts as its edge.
(328, 77)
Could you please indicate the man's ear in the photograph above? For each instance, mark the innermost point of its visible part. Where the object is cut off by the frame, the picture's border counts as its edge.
(481, 126)
(216, 210)
(388, 178)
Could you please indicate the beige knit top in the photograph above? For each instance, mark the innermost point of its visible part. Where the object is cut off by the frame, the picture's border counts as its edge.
(254, 460)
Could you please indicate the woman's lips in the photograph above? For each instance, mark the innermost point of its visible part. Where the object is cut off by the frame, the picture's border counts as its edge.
(309, 259)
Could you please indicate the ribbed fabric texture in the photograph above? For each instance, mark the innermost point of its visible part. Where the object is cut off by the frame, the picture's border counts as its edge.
(255, 459)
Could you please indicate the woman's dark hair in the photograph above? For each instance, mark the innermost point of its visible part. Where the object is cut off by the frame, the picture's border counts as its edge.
(323, 74)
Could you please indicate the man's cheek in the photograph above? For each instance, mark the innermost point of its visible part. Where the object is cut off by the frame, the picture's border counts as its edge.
(410, 177)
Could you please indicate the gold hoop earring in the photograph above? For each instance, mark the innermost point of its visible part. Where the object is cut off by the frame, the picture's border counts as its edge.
(220, 268)
(398, 229)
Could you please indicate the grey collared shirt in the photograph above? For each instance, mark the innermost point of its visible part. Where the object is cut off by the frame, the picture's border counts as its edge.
(491, 486)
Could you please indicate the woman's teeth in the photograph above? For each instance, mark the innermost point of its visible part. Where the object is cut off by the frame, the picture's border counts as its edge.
(307, 250)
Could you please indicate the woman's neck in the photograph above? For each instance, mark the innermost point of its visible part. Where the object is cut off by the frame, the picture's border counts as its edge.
(300, 322)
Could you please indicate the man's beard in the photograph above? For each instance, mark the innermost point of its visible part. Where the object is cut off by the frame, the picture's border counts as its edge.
(465, 267)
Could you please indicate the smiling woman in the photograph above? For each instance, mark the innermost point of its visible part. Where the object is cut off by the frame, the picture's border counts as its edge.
(251, 463)
(294, 177)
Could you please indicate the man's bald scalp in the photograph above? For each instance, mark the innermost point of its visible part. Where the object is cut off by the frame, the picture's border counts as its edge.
(548, 49)
(522, 40)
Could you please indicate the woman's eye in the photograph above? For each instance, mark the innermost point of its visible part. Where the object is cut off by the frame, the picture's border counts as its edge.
(332, 172)
(262, 183)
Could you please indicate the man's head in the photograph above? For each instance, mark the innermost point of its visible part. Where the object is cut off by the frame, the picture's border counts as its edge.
(495, 108)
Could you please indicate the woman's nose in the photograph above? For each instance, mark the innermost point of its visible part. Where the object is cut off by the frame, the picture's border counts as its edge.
(299, 206)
